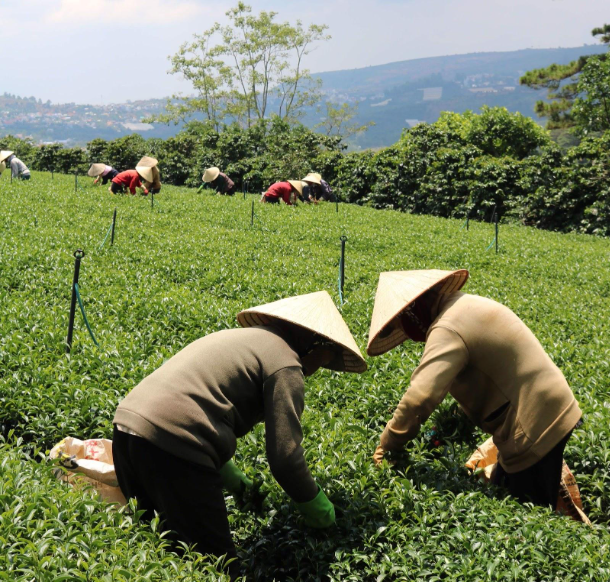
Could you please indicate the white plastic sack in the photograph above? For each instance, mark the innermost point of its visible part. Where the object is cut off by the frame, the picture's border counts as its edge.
(89, 462)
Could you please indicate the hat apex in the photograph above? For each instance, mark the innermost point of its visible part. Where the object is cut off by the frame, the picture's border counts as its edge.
(314, 312)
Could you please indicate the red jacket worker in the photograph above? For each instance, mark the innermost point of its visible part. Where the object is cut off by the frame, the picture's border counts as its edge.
(131, 179)
(287, 191)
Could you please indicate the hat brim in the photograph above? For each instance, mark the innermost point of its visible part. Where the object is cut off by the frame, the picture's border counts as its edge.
(378, 342)
(349, 361)
(211, 174)
(297, 184)
(315, 313)
(312, 179)
(5, 154)
(145, 172)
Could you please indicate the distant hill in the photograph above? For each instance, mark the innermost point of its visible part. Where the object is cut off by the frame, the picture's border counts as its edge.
(401, 94)
(394, 96)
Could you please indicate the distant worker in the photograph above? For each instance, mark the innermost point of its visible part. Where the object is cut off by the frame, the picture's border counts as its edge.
(131, 179)
(176, 432)
(153, 185)
(288, 191)
(102, 172)
(219, 181)
(485, 356)
(18, 168)
(318, 188)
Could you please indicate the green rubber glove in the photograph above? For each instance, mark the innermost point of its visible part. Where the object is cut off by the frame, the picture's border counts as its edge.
(246, 493)
(233, 479)
(319, 512)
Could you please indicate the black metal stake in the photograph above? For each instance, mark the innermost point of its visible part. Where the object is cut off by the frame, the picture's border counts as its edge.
(152, 199)
(342, 265)
(114, 222)
(468, 213)
(496, 233)
(75, 181)
(244, 189)
(493, 214)
(252, 214)
(78, 255)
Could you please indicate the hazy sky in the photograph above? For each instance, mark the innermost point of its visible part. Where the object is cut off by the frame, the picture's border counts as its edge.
(102, 51)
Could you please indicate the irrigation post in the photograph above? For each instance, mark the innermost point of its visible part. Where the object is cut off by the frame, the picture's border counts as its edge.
(343, 240)
(496, 232)
(78, 255)
(152, 199)
(493, 214)
(75, 180)
(252, 214)
(114, 222)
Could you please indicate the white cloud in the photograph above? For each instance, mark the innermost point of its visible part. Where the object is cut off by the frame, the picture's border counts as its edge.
(124, 12)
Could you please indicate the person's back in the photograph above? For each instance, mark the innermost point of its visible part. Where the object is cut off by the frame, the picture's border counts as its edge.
(194, 409)
(18, 168)
(506, 366)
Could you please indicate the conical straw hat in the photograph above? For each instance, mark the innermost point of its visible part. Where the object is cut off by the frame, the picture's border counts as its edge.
(2, 167)
(297, 184)
(96, 170)
(147, 162)
(397, 290)
(314, 312)
(313, 177)
(211, 174)
(145, 172)
(5, 154)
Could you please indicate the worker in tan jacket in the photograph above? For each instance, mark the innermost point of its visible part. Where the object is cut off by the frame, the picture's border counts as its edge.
(176, 432)
(483, 355)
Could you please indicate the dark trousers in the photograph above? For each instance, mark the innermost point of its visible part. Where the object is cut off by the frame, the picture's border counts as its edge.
(188, 497)
(538, 484)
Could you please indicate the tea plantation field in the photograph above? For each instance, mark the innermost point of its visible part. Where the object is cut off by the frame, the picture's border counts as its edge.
(184, 268)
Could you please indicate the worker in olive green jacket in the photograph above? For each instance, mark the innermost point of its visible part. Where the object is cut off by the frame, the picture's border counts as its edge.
(483, 355)
(175, 433)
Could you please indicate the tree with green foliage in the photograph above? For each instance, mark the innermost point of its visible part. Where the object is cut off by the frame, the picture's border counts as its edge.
(246, 70)
(337, 121)
(581, 81)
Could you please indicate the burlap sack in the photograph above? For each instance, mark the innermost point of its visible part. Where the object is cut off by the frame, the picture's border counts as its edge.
(483, 464)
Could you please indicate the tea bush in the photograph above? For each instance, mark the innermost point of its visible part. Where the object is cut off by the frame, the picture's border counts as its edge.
(184, 268)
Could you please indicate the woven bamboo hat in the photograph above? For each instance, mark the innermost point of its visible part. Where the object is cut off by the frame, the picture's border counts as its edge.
(4, 154)
(297, 184)
(396, 291)
(146, 172)
(314, 312)
(147, 162)
(211, 174)
(96, 170)
(313, 178)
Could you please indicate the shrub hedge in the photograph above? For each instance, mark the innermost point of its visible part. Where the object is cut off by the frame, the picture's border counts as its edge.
(462, 165)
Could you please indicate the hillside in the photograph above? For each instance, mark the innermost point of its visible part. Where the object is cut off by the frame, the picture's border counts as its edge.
(183, 269)
(394, 96)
